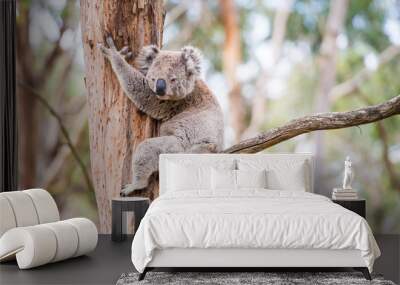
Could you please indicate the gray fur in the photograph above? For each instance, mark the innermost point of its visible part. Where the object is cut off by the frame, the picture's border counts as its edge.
(191, 118)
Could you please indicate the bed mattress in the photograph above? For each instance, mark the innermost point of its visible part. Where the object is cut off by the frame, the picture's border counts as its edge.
(250, 219)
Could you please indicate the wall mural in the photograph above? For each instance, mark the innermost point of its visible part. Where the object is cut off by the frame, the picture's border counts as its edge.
(104, 89)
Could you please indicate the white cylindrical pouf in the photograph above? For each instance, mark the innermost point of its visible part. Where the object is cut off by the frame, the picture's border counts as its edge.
(7, 218)
(23, 208)
(45, 205)
(67, 239)
(34, 246)
(87, 234)
(31, 232)
(40, 244)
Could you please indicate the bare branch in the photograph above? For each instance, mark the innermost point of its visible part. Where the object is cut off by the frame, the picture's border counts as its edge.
(52, 57)
(258, 105)
(175, 13)
(57, 100)
(63, 131)
(323, 121)
(57, 51)
(63, 153)
(351, 85)
(204, 21)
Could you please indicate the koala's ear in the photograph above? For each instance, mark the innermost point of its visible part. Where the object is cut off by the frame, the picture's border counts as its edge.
(192, 57)
(145, 57)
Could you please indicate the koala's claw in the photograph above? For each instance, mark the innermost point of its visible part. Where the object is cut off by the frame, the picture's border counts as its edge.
(111, 49)
(125, 52)
(128, 189)
(128, 55)
(102, 48)
(110, 42)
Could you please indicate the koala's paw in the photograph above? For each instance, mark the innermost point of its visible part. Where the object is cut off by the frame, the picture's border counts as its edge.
(107, 51)
(130, 188)
(112, 50)
(125, 52)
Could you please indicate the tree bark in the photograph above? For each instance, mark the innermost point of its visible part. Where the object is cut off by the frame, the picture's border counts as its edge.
(324, 121)
(232, 57)
(116, 127)
(327, 79)
(258, 110)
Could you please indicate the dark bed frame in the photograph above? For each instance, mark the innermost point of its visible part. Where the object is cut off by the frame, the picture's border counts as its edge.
(363, 270)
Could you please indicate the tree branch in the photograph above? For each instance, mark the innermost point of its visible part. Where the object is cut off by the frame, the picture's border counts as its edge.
(347, 87)
(323, 121)
(175, 13)
(63, 152)
(63, 131)
(258, 106)
(57, 51)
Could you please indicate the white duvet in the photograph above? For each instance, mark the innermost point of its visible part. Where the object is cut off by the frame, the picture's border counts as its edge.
(254, 218)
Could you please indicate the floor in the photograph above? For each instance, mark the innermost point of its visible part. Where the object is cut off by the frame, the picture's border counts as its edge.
(110, 260)
(103, 266)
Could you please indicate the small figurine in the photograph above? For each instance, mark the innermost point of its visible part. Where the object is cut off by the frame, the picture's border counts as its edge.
(348, 174)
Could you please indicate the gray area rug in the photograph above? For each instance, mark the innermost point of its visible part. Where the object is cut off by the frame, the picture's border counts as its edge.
(230, 278)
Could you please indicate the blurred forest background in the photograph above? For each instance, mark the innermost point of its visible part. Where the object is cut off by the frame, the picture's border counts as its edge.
(267, 61)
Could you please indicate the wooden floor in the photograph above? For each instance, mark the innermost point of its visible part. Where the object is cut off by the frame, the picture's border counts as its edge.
(110, 260)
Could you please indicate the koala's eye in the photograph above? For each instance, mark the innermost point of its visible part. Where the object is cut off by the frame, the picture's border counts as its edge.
(173, 80)
(153, 79)
(190, 73)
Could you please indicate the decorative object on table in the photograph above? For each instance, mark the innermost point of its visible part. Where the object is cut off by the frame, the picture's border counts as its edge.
(121, 205)
(347, 192)
(243, 278)
(348, 174)
(32, 233)
(357, 206)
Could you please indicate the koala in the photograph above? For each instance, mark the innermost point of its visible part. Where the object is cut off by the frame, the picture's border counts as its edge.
(167, 87)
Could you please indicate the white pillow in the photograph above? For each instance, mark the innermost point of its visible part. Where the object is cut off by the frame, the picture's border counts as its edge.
(223, 179)
(251, 178)
(181, 177)
(226, 179)
(293, 180)
(282, 174)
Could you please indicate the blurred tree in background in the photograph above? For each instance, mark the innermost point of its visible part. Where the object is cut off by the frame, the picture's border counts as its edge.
(269, 56)
(50, 90)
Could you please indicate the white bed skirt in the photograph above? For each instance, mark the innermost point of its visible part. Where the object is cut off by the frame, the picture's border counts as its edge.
(236, 257)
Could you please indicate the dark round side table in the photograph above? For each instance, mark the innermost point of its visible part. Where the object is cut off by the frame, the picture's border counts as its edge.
(121, 205)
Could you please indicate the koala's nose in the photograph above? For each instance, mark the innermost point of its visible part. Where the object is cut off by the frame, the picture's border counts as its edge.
(161, 86)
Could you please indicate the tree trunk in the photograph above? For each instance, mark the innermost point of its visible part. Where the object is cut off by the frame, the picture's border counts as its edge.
(27, 107)
(258, 109)
(327, 71)
(116, 126)
(232, 57)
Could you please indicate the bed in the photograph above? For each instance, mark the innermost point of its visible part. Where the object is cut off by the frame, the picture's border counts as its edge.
(246, 210)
